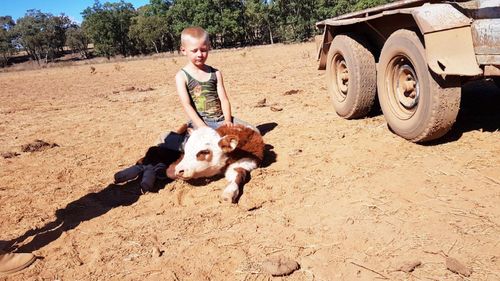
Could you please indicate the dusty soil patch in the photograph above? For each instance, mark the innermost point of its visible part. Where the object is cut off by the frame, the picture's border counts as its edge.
(37, 145)
(334, 196)
(280, 266)
(9, 154)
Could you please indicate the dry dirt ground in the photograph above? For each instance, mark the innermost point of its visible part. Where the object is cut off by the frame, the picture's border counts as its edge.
(348, 200)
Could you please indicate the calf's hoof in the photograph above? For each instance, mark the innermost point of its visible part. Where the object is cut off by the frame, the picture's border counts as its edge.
(231, 193)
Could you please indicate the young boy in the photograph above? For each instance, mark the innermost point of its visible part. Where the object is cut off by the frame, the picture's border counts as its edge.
(201, 90)
(201, 87)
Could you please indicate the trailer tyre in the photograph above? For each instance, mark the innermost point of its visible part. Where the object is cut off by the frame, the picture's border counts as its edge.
(351, 77)
(417, 104)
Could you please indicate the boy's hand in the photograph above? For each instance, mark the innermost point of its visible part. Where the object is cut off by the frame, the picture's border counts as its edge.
(228, 123)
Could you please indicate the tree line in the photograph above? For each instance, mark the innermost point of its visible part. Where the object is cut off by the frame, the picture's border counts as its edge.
(120, 29)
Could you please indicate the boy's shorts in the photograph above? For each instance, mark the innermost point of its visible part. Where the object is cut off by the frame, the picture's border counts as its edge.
(216, 124)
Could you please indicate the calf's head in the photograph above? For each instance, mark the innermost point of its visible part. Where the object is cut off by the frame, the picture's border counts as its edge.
(205, 153)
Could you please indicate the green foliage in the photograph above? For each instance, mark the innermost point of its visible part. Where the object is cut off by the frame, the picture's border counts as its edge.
(221, 18)
(6, 39)
(257, 22)
(108, 26)
(120, 29)
(42, 35)
(77, 41)
(365, 4)
(296, 19)
(333, 8)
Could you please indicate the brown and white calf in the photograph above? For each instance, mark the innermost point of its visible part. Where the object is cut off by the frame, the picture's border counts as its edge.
(234, 151)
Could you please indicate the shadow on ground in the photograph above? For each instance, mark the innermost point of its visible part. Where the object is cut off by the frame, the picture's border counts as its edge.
(99, 203)
(479, 111)
(83, 209)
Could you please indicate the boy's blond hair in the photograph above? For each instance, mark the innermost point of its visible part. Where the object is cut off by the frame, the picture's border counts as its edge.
(194, 32)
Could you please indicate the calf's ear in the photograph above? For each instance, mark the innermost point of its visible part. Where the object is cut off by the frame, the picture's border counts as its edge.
(228, 143)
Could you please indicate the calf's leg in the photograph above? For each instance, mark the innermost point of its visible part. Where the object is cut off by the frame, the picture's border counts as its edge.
(236, 174)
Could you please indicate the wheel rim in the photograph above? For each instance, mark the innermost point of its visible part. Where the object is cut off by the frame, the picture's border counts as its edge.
(402, 87)
(340, 81)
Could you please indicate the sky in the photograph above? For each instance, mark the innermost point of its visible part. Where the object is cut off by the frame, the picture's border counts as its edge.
(71, 8)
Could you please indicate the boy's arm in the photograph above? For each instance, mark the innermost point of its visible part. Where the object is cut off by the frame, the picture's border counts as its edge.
(224, 100)
(180, 83)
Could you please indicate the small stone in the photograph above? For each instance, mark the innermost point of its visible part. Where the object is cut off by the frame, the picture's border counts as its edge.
(280, 266)
(261, 103)
(145, 89)
(409, 266)
(155, 252)
(275, 108)
(457, 267)
(291, 92)
(9, 154)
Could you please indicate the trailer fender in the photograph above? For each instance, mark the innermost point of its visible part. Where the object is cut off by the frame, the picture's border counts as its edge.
(448, 40)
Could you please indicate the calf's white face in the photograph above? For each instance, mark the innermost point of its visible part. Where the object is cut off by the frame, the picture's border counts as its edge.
(205, 154)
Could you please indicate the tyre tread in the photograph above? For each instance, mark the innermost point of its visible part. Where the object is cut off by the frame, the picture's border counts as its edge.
(364, 70)
(445, 96)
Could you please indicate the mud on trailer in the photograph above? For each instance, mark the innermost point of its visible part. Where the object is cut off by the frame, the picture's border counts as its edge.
(414, 55)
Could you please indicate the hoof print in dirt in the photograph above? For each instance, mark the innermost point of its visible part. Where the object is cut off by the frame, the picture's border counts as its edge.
(8, 154)
(156, 252)
(128, 89)
(37, 145)
(295, 152)
(409, 266)
(280, 266)
(457, 267)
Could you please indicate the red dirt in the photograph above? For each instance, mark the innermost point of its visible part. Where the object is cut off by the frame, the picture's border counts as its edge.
(339, 193)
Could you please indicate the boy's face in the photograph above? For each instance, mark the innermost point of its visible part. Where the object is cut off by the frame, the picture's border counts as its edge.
(196, 49)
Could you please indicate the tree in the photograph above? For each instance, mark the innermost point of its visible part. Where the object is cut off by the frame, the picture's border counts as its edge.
(108, 26)
(150, 30)
(185, 13)
(296, 19)
(254, 19)
(6, 39)
(118, 28)
(223, 19)
(42, 35)
(365, 4)
(159, 7)
(333, 8)
(77, 41)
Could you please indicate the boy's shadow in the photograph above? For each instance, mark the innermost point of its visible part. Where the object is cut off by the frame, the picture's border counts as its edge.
(83, 209)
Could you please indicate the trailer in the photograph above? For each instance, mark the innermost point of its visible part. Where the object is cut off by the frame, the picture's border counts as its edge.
(413, 55)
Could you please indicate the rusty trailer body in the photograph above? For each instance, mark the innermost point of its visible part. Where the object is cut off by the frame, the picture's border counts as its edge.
(415, 50)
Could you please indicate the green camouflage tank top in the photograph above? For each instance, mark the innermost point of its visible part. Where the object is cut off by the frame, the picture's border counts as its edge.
(204, 96)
